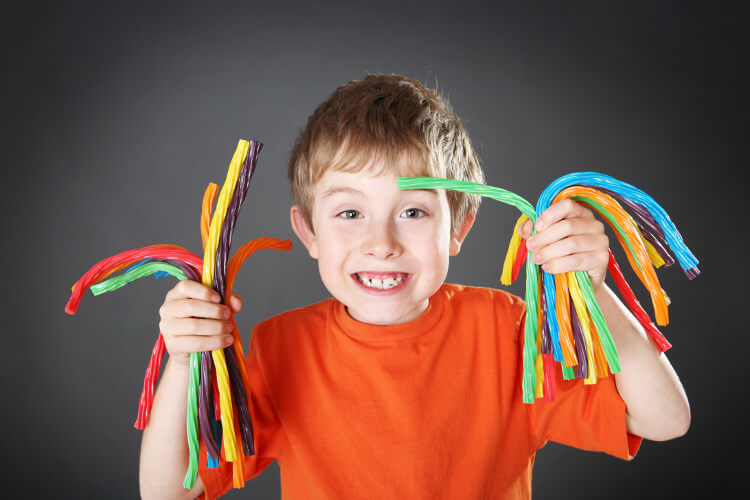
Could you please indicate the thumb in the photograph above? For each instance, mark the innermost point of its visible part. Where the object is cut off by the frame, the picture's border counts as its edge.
(525, 230)
(235, 302)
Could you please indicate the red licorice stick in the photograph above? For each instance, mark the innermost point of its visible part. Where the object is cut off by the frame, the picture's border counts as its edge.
(149, 382)
(548, 361)
(635, 306)
(520, 259)
(94, 274)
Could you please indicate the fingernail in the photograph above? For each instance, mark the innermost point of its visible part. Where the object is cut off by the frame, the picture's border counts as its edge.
(229, 340)
(530, 244)
(539, 225)
(215, 298)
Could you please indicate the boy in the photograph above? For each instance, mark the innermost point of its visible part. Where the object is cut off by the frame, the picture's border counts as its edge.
(401, 385)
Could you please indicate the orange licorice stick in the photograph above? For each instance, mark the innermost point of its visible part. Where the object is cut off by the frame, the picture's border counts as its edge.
(233, 268)
(208, 202)
(623, 219)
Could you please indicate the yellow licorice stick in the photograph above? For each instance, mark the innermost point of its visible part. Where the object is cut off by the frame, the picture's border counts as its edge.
(583, 316)
(510, 256)
(209, 261)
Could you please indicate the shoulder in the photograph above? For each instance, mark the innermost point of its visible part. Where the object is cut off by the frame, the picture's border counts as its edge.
(480, 296)
(295, 322)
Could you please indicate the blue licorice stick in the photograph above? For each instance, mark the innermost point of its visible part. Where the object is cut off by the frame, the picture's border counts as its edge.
(594, 179)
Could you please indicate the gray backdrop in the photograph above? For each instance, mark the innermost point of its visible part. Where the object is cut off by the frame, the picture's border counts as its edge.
(117, 116)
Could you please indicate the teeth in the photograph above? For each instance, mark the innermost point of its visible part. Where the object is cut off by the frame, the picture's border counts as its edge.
(383, 284)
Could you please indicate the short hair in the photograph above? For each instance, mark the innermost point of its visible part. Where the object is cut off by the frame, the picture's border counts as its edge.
(392, 118)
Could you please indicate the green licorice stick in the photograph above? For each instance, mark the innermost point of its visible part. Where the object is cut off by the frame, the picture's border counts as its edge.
(528, 383)
(192, 418)
(608, 345)
(134, 274)
(568, 372)
(496, 193)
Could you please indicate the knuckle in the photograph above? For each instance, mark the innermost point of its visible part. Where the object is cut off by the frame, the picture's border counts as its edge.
(192, 325)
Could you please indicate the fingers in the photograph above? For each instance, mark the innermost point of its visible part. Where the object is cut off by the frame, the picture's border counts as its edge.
(563, 209)
(191, 343)
(177, 327)
(564, 229)
(235, 302)
(188, 289)
(584, 252)
(525, 230)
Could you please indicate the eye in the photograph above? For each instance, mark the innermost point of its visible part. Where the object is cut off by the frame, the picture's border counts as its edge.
(350, 214)
(413, 213)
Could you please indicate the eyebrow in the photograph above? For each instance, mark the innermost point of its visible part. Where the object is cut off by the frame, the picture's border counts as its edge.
(341, 189)
(344, 189)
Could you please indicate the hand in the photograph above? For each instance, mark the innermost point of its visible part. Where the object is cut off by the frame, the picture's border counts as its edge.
(194, 320)
(569, 238)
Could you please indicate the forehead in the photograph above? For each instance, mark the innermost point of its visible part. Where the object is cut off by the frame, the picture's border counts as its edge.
(365, 183)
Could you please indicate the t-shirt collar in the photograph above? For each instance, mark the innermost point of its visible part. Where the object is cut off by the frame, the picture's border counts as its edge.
(388, 333)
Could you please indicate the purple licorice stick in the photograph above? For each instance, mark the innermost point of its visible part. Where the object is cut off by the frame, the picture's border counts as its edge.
(233, 211)
(240, 401)
(641, 212)
(649, 236)
(582, 369)
(651, 223)
(546, 339)
(204, 394)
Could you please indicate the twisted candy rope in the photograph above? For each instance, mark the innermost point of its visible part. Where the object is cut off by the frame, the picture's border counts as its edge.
(209, 396)
(563, 320)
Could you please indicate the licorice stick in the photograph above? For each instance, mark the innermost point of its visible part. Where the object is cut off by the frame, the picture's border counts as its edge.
(102, 267)
(163, 260)
(601, 181)
(582, 369)
(520, 259)
(225, 242)
(651, 238)
(510, 255)
(635, 306)
(563, 311)
(578, 332)
(225, 397)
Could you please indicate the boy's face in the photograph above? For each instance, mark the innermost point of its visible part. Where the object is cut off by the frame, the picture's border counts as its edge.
(368, 229)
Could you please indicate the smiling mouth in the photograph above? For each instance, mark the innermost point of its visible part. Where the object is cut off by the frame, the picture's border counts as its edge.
(380, 280)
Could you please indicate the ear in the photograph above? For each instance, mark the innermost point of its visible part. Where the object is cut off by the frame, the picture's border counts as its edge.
(303, 231)
(456, 240)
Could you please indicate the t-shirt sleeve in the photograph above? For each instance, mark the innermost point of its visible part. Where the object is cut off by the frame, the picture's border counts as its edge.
(267, 434)
(589, 417)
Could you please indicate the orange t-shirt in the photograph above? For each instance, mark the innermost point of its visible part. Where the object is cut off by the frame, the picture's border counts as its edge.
(431, 408)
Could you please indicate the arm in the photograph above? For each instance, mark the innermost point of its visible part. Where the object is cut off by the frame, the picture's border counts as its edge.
(192, 320)
(164, 450)
(657, 406)
(570, 238)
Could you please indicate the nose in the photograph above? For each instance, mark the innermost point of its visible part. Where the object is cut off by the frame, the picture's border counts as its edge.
(382, 242)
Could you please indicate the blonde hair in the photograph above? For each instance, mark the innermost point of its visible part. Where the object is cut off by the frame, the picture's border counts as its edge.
(390, 118)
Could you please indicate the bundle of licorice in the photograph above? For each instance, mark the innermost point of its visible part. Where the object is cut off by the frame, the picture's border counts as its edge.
(218, 386)
(564, 323)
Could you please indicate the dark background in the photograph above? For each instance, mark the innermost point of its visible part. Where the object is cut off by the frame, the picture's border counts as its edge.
(117, 116)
